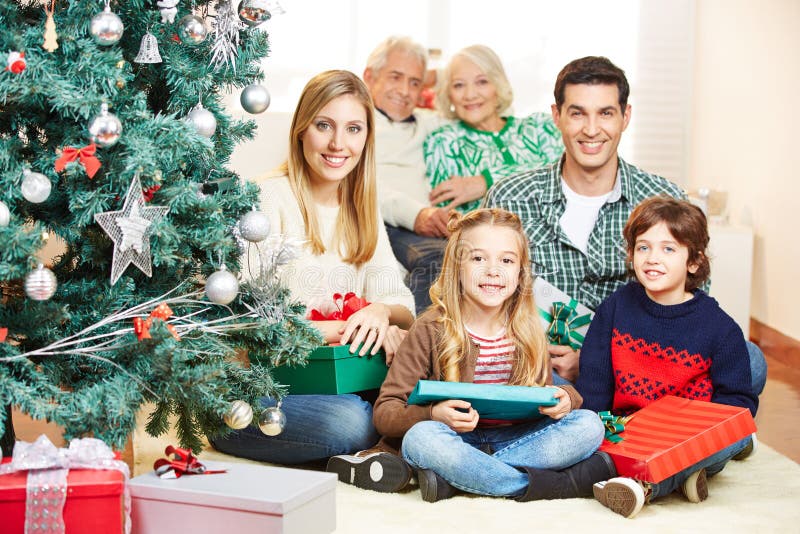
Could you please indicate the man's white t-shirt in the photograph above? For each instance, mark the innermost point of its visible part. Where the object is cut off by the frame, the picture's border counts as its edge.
(580, 216)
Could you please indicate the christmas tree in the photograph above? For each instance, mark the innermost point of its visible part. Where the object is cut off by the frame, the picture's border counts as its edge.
(114, 140)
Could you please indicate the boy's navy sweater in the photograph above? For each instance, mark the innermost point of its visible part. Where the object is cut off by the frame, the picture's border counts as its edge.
(636, 351)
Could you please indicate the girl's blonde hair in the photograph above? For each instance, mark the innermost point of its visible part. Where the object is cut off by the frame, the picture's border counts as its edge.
(486, 60)
(530, 366)
(356, 234)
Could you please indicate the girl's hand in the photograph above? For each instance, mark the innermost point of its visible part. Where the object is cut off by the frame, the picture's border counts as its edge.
(449, 412)
(367, 327)
(394, 336)
(561, 409)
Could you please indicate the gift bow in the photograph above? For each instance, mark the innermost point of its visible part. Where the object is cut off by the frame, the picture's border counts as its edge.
(183, 462)
(564, 324)
(614, 425)
(47, 467)
(85, 155)
(346, 306)
(142, 326)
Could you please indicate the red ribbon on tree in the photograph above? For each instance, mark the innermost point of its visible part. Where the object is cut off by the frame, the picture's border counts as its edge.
(3, 334)
(346, 306)
(16, 62)
(85, 155)
(142, 326)
(183, 462)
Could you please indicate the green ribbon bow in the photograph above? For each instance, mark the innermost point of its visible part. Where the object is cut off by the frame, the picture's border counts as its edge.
(614, 425)
(564, 324)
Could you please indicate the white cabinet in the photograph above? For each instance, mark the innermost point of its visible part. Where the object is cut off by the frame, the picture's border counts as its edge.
(731, 250)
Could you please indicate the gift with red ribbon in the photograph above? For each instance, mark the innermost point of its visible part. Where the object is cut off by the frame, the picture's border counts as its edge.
(182, 462)
(141, 327)
(84, 155)
(345, 306)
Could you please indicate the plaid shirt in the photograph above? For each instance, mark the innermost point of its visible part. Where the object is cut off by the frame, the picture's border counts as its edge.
(539, 201)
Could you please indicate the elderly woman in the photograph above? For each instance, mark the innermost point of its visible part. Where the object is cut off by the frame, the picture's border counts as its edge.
(485, 144)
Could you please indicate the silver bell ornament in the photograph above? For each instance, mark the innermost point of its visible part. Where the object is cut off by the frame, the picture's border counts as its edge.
(106, 27)
(254, 226)
(105, 128)
(148, 50)
(222, 286)
(35, 186)
(272, 421)
(254, 12)
(203, 120)
(5, 214)
(239, 415)
(255, 98)
(40, 284)
(192, 30)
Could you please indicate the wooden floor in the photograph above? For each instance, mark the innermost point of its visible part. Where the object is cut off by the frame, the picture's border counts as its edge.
(778, 418)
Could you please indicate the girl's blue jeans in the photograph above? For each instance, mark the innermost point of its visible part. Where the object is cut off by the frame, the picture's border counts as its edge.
(488, 461)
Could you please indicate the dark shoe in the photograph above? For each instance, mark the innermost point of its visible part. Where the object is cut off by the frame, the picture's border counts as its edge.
(376, 471)
(749, 449)
(574, 481)
(433, 487)
(695, 488)
(622, 495)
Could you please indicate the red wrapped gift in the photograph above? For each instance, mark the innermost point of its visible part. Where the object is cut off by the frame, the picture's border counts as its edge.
(673, 433)
(94, 499)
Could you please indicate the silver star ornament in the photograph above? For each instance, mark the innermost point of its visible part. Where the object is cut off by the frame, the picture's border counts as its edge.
(130, 229)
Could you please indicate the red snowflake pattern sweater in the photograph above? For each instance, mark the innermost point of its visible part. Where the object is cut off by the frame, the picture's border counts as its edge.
(636, 351)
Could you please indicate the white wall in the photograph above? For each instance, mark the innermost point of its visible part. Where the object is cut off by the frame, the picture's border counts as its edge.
(746, 137)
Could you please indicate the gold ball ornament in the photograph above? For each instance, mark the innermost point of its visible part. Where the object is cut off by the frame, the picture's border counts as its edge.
(239, 415)
(272, 421)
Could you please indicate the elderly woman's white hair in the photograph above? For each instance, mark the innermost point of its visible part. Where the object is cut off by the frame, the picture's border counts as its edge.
(377, 59)
(486, 60)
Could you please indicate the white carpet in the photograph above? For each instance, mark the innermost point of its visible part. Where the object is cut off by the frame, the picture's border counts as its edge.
(761, 494)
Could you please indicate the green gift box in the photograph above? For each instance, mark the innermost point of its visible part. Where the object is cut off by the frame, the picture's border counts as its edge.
(331, 370)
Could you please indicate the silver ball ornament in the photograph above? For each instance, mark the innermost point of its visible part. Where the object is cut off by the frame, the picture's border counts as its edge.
(222, 286)
(105, 129)
(5, 214)
(106, 28)
(192, 30)
(254, 12)
(35, 186)
(239, 415)
(255, 98)
(272, 421)
(203, 120)
(41, 283)
(254, 226)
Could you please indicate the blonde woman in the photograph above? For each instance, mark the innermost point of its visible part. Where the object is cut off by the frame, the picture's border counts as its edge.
(325, 197)
(486, 143)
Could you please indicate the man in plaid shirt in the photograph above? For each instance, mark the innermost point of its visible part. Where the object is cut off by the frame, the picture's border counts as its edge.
(574, 210)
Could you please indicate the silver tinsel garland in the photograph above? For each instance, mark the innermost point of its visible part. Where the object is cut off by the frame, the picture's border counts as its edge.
(226, 36)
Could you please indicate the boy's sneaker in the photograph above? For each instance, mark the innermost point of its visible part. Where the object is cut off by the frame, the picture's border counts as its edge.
(695, 488)
(622, 495)
(372, 470)
(749, 450)
(432, 487)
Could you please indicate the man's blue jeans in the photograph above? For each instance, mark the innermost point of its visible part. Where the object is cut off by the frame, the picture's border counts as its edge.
(422, 258)
(317, 427)
(486, 460)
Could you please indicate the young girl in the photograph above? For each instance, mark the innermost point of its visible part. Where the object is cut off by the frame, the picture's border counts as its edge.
(325, 197)
(483, 327)
(693, 348)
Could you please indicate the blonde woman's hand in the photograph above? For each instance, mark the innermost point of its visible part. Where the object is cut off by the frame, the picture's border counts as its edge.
(561, 409)
(367, 327)
(457, 414)
(458, 190)
(394, 336)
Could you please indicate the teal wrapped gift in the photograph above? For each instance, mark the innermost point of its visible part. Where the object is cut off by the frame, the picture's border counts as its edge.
(332, 370)
(491, 401)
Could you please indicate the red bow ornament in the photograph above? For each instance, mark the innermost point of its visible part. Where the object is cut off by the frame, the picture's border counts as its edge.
(142, 326)
(16, 62)
(85, 155)
(3, 334)
(183, 462)
(346, 306)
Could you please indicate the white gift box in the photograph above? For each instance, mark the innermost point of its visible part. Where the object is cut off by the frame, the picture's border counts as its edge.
(546, 295)
(246, 499)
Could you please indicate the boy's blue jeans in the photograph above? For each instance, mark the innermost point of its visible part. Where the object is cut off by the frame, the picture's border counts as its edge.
(486, 460)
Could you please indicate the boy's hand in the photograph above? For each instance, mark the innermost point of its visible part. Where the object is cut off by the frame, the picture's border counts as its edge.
(457, 414)
(565, 361)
